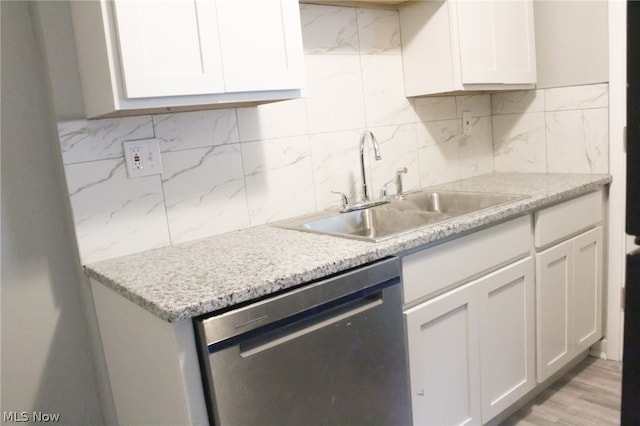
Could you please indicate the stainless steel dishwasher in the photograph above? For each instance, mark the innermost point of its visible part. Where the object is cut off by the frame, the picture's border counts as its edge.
(328, 353)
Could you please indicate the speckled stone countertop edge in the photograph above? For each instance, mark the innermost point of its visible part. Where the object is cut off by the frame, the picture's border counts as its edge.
(168, 301)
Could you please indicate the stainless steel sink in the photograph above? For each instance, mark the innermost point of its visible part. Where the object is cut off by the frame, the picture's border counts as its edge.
(415, 211)
(452, 203)
(372, 224)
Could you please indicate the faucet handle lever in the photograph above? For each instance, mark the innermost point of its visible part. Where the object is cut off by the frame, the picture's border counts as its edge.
(383, 191)
(399, 190)
(345, 200)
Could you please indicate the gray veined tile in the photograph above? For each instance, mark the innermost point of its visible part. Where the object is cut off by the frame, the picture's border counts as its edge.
(437, 132)
(334, 93)
(115, 215)
(335, 161)
(378, 31)
(279, 179)
(204, 191)
(515, 102)
(91, 140)
(399, 149)
(328, 29)
(273, 120)
(439, 151)
(476, 150)
(577, 97)
(384, 99)
(578, 141)
(435, 108)
(477, 105)
(519, 143)
(439, 163)
(197, 129)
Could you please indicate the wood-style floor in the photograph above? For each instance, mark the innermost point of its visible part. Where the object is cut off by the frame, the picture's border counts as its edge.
(588, 395)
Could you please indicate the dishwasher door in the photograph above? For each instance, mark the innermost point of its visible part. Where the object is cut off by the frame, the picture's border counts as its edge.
(330, 353)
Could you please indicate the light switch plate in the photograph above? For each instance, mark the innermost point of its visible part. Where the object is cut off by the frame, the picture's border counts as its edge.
(466, 123)
(142, 157)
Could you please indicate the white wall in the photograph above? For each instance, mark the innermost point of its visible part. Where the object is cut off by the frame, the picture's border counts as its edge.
(46, 361)
(617, 166)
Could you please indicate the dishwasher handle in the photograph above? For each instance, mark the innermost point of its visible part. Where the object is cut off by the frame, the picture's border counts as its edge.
(218, 328)
(304, 326)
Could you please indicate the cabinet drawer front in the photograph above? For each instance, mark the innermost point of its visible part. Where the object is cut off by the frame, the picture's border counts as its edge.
(436, 269)
(565, 219)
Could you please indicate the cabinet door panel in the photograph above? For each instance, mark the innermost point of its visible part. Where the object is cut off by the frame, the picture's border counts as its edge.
(444, 361)
(168, 48)
(553, 285)
(260, 44)
(496, 42)
(507, 336)
(478, 46)
(587, 289)
(516, 50)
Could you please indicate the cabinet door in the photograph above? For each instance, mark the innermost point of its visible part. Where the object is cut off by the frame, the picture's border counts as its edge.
(168, 48)
(554, 270)
(496, 41)
(444, 363)
(507, 336)
(261, 44)
(587, 289)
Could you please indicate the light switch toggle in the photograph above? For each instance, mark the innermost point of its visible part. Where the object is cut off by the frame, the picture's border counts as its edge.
(142, 157)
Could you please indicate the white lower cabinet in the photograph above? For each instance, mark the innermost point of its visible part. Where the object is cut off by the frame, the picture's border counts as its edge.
(481, 335)
(444, 361)
(471, 350)
(569, 294)
(507, 336)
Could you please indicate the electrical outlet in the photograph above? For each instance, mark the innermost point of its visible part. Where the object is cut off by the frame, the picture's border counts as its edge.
(466, 123)
(142, 157)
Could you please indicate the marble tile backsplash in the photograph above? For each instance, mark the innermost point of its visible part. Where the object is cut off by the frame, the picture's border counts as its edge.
(560, 130)
(232, 168)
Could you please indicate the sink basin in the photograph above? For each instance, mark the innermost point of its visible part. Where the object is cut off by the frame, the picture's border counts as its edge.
(372, 224)
(452, 203)
(417, 210)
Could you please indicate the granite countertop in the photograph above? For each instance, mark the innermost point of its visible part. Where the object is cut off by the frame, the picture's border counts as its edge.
(194, 278)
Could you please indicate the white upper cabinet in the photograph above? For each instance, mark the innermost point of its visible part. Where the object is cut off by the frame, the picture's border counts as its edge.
(261, 50)
(464, 45)
(169, 48)
(163, 55)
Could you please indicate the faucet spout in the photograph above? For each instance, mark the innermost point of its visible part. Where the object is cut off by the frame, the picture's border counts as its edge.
(376, 149)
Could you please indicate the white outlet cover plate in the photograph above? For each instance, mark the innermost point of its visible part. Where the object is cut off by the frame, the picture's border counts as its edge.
(149, 162)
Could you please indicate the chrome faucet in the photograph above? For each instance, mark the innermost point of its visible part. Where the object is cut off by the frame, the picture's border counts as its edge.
(376, 149)
(365, 202)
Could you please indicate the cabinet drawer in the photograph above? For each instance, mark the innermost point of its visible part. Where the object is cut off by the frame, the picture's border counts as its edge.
(568, 218)
(436, 269)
